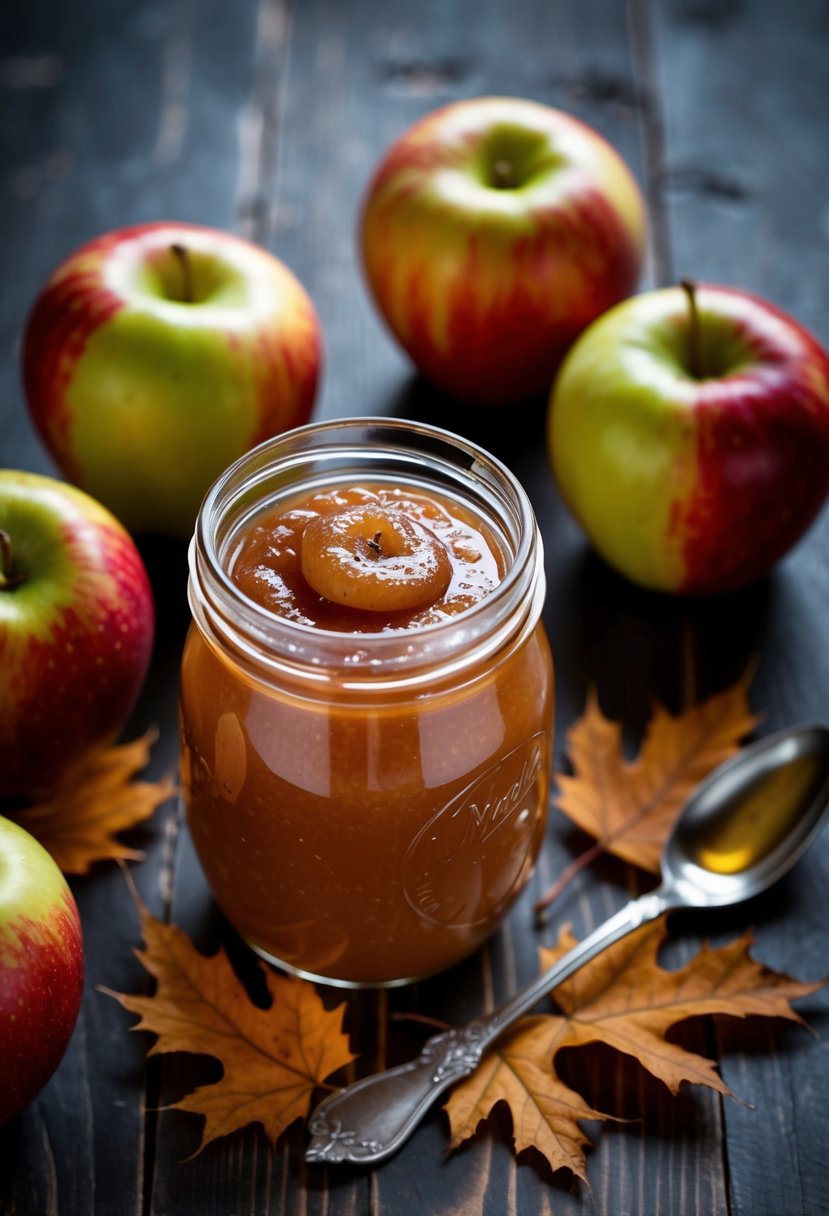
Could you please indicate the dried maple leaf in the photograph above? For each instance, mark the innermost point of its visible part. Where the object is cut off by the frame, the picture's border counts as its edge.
(96, 799)
(630, 806)
(545, 1112)
(625, 999)
(273, 1059)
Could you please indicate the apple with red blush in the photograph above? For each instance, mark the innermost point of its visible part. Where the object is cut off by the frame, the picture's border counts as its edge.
(156, 355)
(76, 629)
(689, 435)
(492, 233)
(41, 968)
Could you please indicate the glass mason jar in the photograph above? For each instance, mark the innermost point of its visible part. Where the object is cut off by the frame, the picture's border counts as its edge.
(366, 806)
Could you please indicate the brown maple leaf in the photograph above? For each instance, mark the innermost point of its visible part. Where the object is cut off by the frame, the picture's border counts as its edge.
(545, 1112)
(625, 999)
(273, 1059)
(95, 800)
(631, 806)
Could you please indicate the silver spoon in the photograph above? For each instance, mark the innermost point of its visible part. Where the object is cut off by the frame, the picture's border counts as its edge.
(740, 831)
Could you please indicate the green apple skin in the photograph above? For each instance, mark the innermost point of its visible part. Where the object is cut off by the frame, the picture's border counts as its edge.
(492, 233)
(146, 375)
(76, 629)
(692, 481)
(41, 967)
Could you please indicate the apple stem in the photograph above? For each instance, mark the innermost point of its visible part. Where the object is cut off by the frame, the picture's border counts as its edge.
(8, 580)
(183, 258)
(503, 173)
(689, 286)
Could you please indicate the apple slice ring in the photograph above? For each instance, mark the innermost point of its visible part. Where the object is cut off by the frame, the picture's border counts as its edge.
(374, 559)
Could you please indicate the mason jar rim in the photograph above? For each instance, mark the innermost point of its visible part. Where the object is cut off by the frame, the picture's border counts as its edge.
(263, 639)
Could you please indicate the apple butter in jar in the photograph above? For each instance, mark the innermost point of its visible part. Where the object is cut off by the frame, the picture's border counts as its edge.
(366, 698)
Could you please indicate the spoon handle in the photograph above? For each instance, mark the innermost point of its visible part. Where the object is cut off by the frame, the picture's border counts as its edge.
(369, 1120)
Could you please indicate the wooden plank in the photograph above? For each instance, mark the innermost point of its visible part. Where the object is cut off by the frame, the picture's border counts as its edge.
(269, 118)
(113, 114)
(745, 184)
(352, 86)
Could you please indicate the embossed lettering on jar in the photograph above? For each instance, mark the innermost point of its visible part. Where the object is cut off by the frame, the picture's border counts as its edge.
(366, 776)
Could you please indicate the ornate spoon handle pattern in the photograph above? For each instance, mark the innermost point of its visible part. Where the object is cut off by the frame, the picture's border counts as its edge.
(369, 1120)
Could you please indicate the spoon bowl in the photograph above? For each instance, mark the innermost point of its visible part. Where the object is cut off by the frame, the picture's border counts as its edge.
(749, 822)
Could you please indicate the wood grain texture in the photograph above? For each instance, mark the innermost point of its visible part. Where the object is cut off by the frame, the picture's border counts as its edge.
(744, 102)
(267, 117)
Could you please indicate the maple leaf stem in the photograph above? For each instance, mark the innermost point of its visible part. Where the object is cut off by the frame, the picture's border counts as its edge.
(564, 879)
(422, 1019)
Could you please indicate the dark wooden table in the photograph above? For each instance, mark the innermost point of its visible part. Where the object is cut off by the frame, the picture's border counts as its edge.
(267, 118)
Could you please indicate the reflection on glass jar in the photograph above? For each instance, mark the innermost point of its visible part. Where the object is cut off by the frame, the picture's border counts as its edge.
(366, 786)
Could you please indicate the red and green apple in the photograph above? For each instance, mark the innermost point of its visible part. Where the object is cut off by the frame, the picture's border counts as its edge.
(41, 967)
(689, 435)
(76, 629)
(156, 355)
(493, 232)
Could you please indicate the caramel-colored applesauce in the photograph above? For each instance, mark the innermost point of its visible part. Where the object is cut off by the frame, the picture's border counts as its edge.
(367, 834)
(268, 564)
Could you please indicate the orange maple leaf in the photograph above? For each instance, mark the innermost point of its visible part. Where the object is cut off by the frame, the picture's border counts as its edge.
(545, 1112)
(625, 999)
(273, 1059)
(96, 799)
(631, 806)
